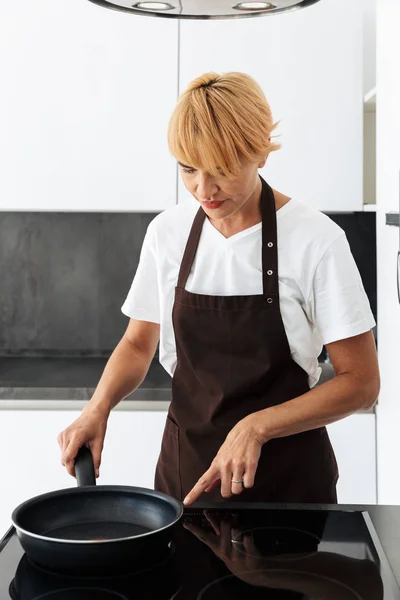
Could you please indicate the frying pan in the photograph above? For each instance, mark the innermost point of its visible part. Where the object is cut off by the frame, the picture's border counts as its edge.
(91, 529)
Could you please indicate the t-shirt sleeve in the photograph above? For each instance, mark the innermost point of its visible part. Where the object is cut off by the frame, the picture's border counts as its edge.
(142, 302)
(338, 305)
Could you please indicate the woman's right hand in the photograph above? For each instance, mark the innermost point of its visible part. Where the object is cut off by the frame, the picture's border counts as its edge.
(88, 430)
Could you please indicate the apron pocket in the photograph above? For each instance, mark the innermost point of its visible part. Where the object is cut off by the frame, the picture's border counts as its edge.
(167, 477)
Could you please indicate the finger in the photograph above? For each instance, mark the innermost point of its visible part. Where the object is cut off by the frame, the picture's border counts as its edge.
(70, 455)
(250, 472)
(213, 486)
(237, 476)
(226, 481)
(65, 444)
(96, 449)
(202, 484)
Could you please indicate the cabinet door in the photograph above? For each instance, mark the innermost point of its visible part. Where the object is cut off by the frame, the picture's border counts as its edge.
(132, 446)
(387, 106)
(86, 98)
(353, 440)
(309, 65)
(388, 194)
(31, 456)
(388, 410)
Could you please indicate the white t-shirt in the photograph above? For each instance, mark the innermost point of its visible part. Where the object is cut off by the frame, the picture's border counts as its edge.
(322, 298)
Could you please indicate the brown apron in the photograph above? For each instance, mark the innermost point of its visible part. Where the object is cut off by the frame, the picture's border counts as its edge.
(233, 359)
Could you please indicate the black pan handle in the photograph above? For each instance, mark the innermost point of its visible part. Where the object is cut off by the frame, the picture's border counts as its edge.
(84, 467)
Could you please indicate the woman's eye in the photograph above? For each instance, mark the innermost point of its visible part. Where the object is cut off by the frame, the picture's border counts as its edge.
(190, 171)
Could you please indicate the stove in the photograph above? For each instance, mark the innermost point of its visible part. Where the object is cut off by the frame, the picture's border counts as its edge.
(223, 553)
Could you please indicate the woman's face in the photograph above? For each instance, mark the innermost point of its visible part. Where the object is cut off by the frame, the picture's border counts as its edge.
(221, 197)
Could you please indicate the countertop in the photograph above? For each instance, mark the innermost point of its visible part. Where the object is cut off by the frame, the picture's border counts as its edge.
(70, 379)
(385, 519)
(28, 379)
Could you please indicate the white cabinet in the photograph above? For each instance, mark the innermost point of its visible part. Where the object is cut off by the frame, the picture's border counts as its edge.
(388, 409)
(388, 194)
(86, 95)
(30, 456)
(309, 65)
(353, 440)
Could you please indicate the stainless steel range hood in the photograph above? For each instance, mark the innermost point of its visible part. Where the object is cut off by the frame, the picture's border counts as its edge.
(204, 9)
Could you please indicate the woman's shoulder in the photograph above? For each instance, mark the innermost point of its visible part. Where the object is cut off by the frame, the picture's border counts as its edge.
(169, 230)
(176, 217)
(307, 227)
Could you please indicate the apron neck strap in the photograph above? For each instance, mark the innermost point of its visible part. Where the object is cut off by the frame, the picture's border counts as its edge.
(191, 248)
(269, 243)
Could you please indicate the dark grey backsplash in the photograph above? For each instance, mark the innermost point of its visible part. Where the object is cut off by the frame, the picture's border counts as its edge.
(360, 228)
(63, 280)
(65, 276)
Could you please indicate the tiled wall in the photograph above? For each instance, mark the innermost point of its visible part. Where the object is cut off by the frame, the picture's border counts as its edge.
(64, 278)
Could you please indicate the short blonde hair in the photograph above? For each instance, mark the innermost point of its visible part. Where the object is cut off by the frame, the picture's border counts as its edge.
(219, 119)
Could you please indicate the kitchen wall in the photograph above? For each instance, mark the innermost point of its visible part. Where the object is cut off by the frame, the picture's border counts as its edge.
(65, 276)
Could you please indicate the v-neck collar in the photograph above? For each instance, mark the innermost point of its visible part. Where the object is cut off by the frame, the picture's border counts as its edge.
(249, 230)
(235, 236)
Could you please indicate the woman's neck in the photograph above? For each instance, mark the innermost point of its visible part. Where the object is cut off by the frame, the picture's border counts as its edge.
(248, 216)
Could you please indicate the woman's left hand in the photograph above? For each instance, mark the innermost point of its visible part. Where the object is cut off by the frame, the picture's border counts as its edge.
(236, 461)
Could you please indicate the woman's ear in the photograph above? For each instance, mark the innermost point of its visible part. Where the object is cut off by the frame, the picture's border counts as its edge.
(262, 162)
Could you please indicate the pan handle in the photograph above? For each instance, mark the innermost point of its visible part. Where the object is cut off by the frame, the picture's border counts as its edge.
(84, 467)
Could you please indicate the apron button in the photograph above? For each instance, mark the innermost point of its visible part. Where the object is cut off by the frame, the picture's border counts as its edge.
(269, 272)
(270, 244)
(269, 300)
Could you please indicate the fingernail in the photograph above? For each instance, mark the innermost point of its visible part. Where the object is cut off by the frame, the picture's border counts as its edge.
(186, 500)
(97, 473)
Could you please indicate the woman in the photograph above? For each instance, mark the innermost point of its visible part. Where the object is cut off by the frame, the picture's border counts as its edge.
(240, 338)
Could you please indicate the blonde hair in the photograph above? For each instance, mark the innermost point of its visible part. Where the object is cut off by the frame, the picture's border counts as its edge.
(219, 119)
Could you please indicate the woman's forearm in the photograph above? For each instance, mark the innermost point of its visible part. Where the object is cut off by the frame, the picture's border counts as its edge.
(124, 372)
(333, 400)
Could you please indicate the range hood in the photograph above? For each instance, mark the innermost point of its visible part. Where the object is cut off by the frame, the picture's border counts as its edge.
(204, 9)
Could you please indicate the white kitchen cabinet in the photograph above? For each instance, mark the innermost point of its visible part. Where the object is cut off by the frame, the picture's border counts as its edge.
(309, 64)
(388, 410)
(388, 194)
(354, 442)
(30, 456)
(86, 95)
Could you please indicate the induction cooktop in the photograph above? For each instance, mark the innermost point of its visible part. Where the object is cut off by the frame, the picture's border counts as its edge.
(219, 553)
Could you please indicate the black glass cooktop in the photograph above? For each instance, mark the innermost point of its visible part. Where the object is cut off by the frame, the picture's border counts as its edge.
(245, 553)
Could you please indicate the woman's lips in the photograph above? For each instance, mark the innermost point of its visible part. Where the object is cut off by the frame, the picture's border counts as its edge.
(213, 204)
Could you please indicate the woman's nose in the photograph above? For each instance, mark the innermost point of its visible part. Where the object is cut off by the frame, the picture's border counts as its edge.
(206, 187)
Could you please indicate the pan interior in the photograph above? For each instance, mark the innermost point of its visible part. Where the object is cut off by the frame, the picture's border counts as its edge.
(97, 531)
(95, 513)
(82, 594)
